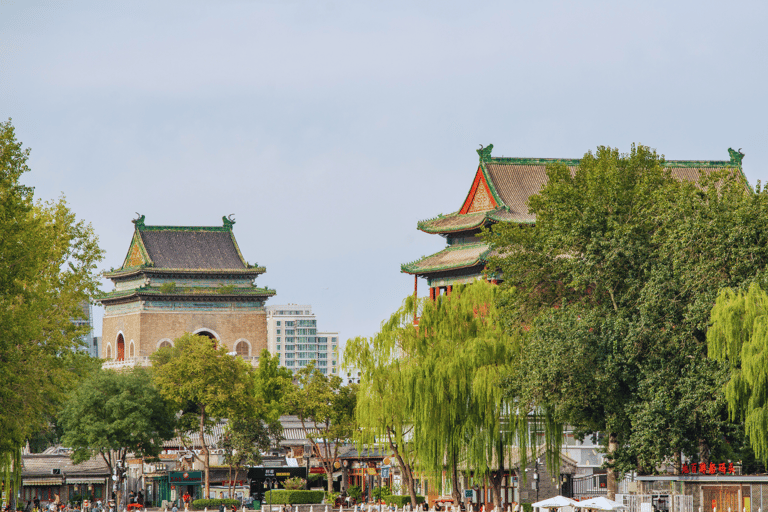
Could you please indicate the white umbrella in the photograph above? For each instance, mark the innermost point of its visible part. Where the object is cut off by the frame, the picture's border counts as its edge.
(601, 503)
(557, 502)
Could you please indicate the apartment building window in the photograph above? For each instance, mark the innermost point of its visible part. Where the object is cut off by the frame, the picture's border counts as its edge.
(278, 322)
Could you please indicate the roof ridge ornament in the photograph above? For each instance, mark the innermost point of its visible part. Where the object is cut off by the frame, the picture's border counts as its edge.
(229, 221)
(139, 221)
(736, 157)
(485, 152)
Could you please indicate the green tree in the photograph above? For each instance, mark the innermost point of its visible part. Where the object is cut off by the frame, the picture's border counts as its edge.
(443, 379)
(113, 414)
(47, 270)
(246, 437)
(611, 289)
(380, 411)
(326, 410)
(204, 382)
(739, 334)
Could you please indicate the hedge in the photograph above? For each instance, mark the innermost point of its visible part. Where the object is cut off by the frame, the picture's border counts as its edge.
(400, 501)
(527, 507)
(293, 497)
(214, 504)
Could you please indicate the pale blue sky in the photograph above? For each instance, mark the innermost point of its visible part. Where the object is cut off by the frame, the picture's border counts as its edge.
(330, 128)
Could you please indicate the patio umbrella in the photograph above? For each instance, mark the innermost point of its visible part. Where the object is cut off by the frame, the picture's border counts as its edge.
(556, 502)
(600, 503)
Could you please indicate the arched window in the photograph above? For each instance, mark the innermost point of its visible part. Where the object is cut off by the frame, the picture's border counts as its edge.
(164, 344)
(242, 348)
(131, 352)
(120, 347)
(207, 333)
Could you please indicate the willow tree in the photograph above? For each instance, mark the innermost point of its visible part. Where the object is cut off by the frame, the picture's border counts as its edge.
(47, 271)
(449, 372)
(739, 333)
(380, 410)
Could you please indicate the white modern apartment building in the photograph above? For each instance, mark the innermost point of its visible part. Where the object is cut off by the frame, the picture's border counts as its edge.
(292, 333)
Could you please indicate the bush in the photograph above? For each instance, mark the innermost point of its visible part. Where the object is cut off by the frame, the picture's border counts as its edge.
(295, 483)
(400, 501)
(214, 504)
(527, 507)
(293, 497)
(355, 492)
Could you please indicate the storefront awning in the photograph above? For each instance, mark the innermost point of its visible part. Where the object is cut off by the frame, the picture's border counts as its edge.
(86, 480)
(51, 480)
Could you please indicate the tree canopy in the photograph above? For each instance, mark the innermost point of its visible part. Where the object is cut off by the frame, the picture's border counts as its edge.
(611, 291)
(443, 379)
(113, 414)
(326, 410)
(47, 272)
(206, 383)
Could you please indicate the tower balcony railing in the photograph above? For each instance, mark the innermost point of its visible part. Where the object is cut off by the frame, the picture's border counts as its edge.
(128, 362)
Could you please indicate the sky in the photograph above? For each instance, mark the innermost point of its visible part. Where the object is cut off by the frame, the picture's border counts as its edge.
(330, 128)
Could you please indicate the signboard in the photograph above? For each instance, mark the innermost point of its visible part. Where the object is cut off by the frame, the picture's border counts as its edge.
(371, 471)
(185, 477)
(385, 472)
(708, 469)
(261, 478)
(468, 493)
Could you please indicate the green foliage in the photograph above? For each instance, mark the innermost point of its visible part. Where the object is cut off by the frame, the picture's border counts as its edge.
(293, 497)
(229, 288)
(47, 271)
(272, 383)
(445, 380)
(331, 497)
(294, 483)
(611, 291)
(113, 413)
(168, 287)
(213, 504)
(355, 492)
(380, 492)
(205, 382)
(739, 333)
(400, 501)
(326, 411)
(527, 507)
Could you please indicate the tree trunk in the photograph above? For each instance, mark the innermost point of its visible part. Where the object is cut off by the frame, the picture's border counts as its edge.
(207, 459)
(678, 462)
(405, 468)
(498, 476)
(612, 484)
(704, 451)
(455, 494)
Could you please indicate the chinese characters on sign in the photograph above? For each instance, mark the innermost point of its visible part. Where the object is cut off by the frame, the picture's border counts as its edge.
(704, 469)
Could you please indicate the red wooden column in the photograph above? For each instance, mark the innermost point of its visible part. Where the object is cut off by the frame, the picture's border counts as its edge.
(449, 289)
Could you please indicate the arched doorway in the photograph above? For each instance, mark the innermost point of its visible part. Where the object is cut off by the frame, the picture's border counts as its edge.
(206, 333)
(120, 347)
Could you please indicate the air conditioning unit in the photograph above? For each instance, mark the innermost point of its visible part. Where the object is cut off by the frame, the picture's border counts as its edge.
(55, 471)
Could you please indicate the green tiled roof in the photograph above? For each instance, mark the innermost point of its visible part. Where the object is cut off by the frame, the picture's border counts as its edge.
(458, 222)
(450, 258)
(189, 291)
(511, 182)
